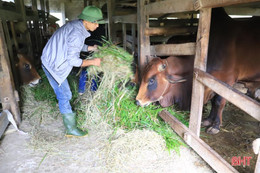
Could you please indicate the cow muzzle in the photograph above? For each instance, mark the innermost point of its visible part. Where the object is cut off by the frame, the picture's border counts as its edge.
(140, 103)
(34, 83)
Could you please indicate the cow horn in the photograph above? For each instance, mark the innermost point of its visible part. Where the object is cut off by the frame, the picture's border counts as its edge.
(161, 67)
(176, 81)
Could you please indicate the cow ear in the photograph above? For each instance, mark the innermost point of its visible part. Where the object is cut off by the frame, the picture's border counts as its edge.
(161, 67)
(175, 79)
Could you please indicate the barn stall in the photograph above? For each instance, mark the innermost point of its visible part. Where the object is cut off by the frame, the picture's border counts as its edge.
(155, 31)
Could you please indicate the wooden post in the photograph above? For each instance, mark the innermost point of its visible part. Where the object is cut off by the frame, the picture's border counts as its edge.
(110, 13)
(20, 7)
(9, 43)
(9, 98)
(124, 35)
(200, 63)
(133, 37)
(42, 5)
(36, 28)
(144, 40)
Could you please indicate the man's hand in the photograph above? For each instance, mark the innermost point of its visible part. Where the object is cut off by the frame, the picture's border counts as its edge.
(92, 48)
(96, 62)
(89, 62)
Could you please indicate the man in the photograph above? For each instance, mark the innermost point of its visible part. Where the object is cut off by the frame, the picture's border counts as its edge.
(62, 52)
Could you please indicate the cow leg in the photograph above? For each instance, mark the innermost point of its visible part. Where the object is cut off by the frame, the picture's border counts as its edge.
(218, 104)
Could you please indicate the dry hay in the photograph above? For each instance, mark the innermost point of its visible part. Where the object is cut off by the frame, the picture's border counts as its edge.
(105, 149)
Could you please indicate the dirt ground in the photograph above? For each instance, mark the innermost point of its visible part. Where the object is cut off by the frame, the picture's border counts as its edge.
(45, 149)
(235, 139)
(52, 152)
(104, 150)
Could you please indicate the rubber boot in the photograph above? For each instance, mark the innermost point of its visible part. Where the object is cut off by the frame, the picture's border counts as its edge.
(70, 124)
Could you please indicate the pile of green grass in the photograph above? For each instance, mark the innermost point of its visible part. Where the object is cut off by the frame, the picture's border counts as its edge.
(115, 99)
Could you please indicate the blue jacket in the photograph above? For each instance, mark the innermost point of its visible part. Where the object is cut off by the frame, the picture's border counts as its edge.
(62, 51)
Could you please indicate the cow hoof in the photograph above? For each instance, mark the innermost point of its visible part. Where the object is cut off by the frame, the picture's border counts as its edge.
(212, 130)
(206, 123)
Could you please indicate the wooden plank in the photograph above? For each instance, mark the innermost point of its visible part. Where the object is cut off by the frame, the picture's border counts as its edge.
(173, 49)
(9, 15)
(14, 36)
(203, 149)
(124, 35)
(133, 31)
(143, 40)
(8, 97)
(172, 22)
(245, 103)
(243, 11)
(10, 43)
(131, 18)
(110, 13)
(169, 6)
(169, 30)
(199, 4)
(37, 35)
(3, 123)
(200, 63)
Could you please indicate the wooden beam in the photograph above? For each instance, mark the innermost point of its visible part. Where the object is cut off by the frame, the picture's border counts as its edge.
(173, 49)
(169, 30)
(131, 18)
(243, 11)
(3, 123)
(9, 15)
(143, 40)
(172, 22)
(245, 103)
(169, 6)
(199, 4)
(110, 13)
(203, 149)
(200, 63)
(9, 98)
(133, 31)
(124, 35)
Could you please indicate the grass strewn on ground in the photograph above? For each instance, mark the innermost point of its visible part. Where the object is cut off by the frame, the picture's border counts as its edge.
(114, 99)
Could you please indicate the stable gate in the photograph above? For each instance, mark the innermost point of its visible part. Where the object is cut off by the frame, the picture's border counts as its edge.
(201, 78)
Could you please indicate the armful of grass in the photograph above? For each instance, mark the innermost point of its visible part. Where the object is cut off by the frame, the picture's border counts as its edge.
(89, 62)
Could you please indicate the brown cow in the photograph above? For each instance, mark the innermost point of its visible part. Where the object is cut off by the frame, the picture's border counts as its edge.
(233, 56)
(27, 71)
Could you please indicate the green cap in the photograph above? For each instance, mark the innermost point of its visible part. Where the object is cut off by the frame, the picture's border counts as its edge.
(92, 14)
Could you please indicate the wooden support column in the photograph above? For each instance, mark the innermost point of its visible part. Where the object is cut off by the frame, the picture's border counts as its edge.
(144, 40)
(20, 7)
(9, 42)
(110, 13)
(38, 37)
(124, 35)
(9, 98)
(133, 30)
(200, 63)
(42, 5)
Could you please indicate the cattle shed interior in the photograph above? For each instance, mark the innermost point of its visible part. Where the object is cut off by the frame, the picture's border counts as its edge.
(141, 27)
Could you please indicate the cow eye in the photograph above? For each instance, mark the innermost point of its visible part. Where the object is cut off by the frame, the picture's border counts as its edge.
(151, 81)
(27, 66)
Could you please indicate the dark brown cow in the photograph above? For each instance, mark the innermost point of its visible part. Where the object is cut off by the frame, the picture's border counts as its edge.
(27, 71)
(234, 55)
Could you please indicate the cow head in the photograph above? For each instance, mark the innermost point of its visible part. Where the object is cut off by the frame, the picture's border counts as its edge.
(157, 80)
(27, 71)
